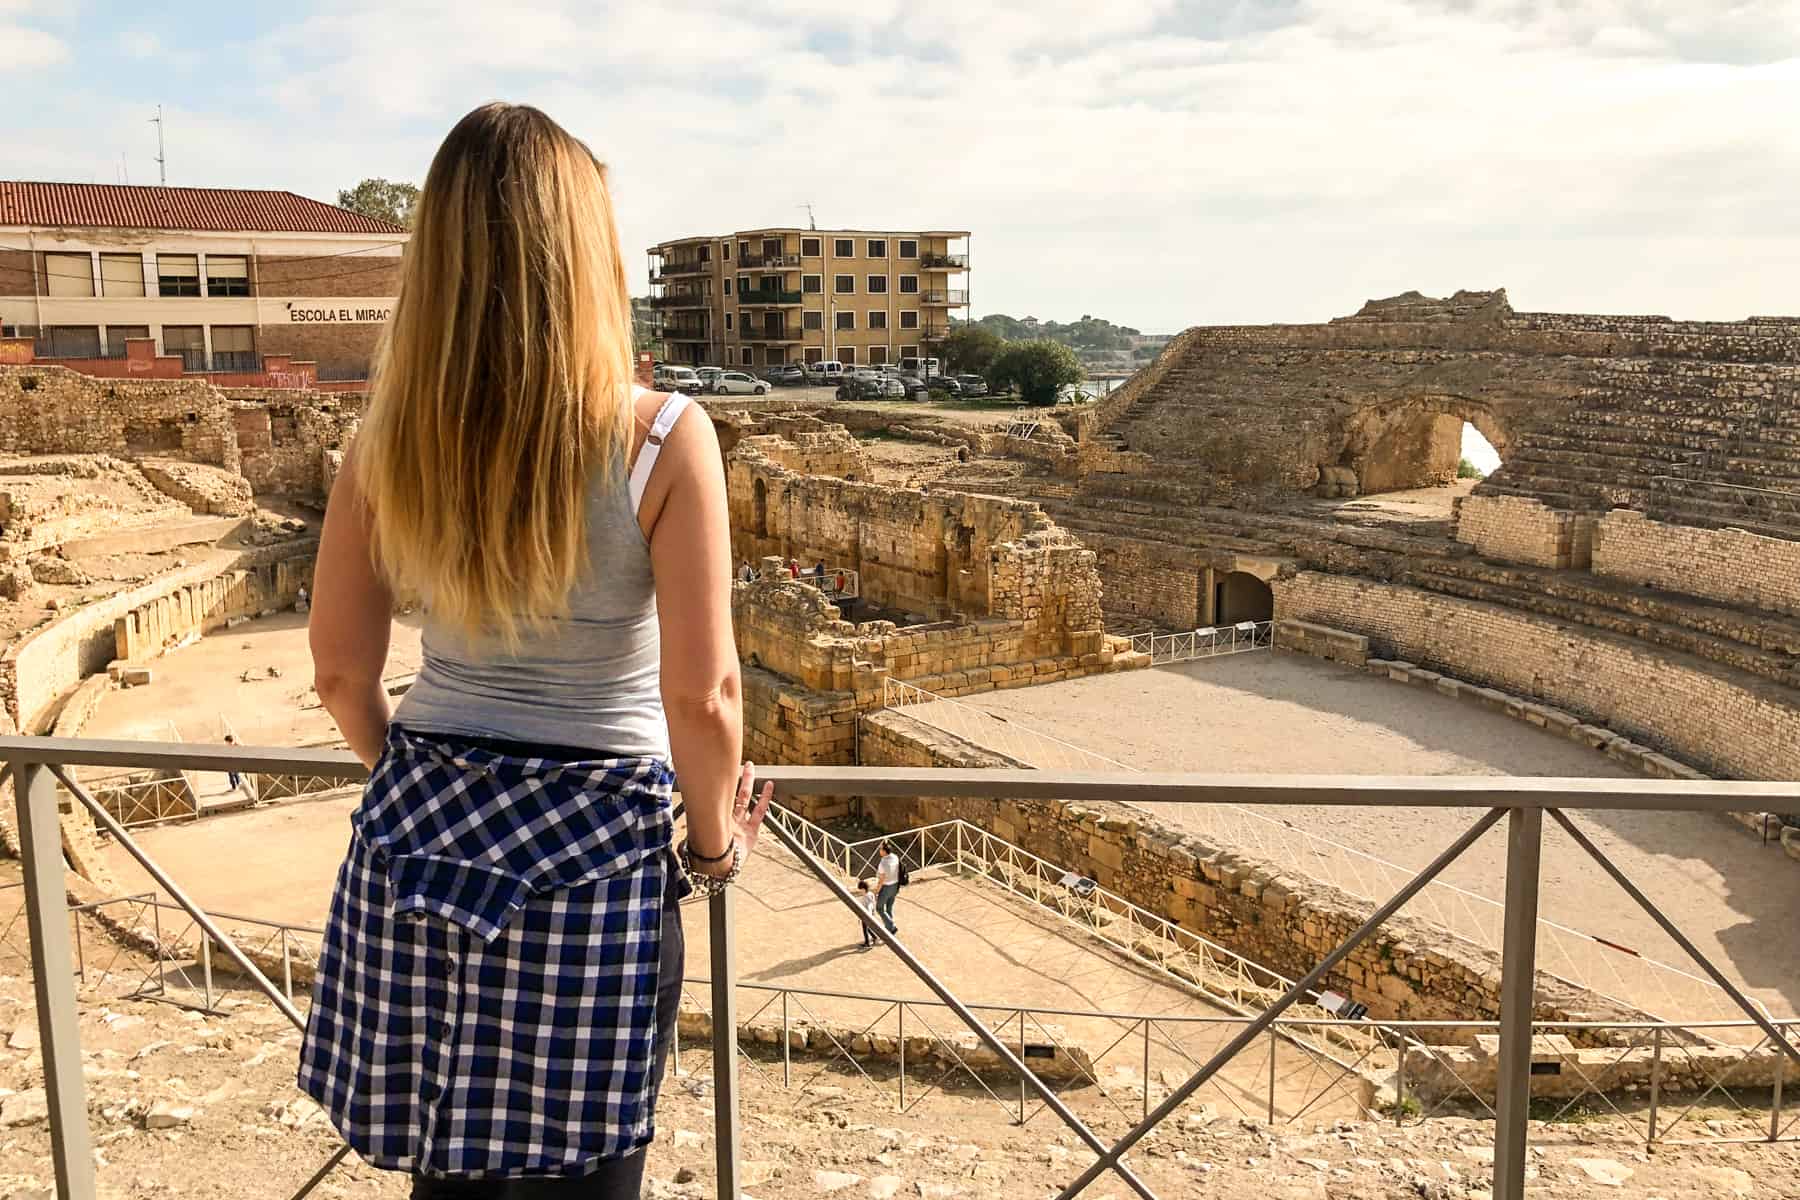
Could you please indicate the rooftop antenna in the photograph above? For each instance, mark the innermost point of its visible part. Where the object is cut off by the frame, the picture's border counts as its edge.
(811, 222)
(162, 168)
(124, 168)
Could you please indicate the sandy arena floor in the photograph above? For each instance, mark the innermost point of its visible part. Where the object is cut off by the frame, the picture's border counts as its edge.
(1283, 714)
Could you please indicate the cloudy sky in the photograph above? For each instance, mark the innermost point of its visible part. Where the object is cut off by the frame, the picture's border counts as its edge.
(1158, 163)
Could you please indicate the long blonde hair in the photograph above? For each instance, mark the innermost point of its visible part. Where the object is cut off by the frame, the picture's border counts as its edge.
(502, 384)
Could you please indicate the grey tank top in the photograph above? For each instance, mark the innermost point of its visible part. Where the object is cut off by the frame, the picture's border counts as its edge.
(590, 679)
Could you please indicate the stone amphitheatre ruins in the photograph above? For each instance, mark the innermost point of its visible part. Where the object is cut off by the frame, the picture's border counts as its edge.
(1621, 597)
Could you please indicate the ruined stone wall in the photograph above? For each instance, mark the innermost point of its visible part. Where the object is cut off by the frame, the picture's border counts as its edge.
(191, 609)
(1407, 970)
(1728, 565)
(1157, 581)
(1723, 723)
(53, 410)
(1524, 530)
(930, 554)
(826, 451)
(285, 441)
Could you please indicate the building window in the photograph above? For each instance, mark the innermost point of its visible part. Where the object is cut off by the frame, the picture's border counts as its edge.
(743, 251)
(728, 287)
(233, 348)
(843, 285)
(727, 322)
(70, 341)
(907, 352)
(227, 275)
(909, 248)
(815, 354)
(725, 250)
(847, 355)
(878, 285)
(122, 275)
(749, 356)
(812, 283)
(845, 247)
(909, 319)
(117, 334)
(189, 341)
(812, 320)
(878, 319)
(178, 275)
(909, 285)
(809, 247)
(70, 275)
(877, 355)
(877, 247)
(846, 319)
(706, 253)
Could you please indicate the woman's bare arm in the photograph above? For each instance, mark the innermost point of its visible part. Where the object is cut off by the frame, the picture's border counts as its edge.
(352, 615)
(684, 516)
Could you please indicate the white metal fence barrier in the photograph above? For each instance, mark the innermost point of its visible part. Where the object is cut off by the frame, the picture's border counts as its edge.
(1205, 643)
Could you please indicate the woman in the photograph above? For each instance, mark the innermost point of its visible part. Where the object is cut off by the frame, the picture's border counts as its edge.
(498, 983)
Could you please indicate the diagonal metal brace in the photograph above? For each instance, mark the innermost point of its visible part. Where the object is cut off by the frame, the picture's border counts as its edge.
(968, 1018)
(1267, 1017)
(1681, 939)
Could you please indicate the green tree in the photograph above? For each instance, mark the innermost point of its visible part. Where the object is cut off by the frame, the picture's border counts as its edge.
(970, 348)
(382, 198)
(1040, 369)
(1468, 470)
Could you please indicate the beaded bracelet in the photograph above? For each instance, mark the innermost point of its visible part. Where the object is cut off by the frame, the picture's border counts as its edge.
(711, 885)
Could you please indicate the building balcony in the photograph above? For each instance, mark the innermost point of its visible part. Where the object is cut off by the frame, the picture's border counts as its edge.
(785, 333)
(685, 334)
(768, 260)
(944, 262)
(681, 300)
(768, 298)
(945, 298)
(670, 269)
(1269, 1010)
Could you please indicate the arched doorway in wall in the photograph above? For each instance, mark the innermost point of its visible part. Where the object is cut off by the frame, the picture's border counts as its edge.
(1480, 457)
(1241, 596)
(1420, 442)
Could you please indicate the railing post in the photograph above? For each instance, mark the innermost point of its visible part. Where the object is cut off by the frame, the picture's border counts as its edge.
(1023, 1090)
(1400, 1083)
(900, 1049)
(1271, 1077)
(787, 1058)
(53, 981)
(1775, 1099)
(723, 936)
(1656, 1047)
(1518, 993)
(1146, 1088)
(206, 966)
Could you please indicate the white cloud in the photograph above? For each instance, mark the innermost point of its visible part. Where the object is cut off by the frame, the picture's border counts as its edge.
(1156, 163)
(140, 43)
(28, 49)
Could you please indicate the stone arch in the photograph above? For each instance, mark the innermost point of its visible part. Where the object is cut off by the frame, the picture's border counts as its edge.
(1243, 597)
(1411, 442)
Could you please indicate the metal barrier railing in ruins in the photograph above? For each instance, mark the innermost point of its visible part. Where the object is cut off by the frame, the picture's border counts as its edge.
(1600, 965)
(1205, 643)
(37, 765)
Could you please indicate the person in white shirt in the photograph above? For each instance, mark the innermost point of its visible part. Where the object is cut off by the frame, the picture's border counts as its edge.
(866, 898)
(887, 880)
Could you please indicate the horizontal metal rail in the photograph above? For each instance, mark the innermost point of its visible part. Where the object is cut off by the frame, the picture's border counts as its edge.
(37, 763)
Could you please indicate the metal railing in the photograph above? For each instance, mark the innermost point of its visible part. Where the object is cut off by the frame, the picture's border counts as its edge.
(1205, 643)
(1638, 981)
(756, 296)
(757, 259)
(38, 764)
(944, 262)
(946, 296)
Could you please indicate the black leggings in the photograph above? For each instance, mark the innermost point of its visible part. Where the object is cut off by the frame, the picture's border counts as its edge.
(617, 1178)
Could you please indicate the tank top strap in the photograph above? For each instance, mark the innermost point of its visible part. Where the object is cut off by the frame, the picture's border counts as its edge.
(666, 417)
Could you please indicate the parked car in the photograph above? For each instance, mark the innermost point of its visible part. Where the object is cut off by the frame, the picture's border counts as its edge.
(786, 375)
(891, 387)
(859, 387)
(915, 366)
(827, 372)
(737, 383)
(946, 384)
(972, 385)
(913, 386)
(707, 376)
(671, 378)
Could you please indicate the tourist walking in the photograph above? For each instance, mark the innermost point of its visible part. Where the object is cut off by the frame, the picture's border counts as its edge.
(496, 990)
(745, 573)
(232, 778)
(887, 879)
(866, 899)
(793, 568)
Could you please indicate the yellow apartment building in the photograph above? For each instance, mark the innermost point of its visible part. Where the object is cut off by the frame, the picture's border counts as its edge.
(761, 297)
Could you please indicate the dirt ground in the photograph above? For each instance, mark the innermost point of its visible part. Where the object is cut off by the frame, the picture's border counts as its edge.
(1277, 713)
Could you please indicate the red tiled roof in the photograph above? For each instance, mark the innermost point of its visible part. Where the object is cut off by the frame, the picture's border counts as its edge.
(136, 207)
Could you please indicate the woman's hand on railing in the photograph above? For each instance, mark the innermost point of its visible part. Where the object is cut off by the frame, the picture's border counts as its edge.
(747, 813)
